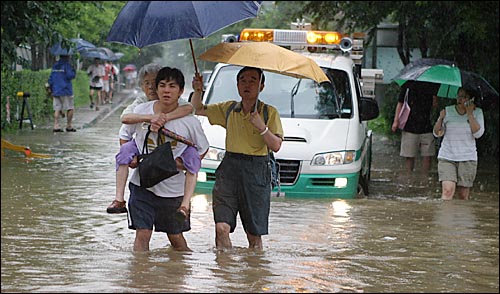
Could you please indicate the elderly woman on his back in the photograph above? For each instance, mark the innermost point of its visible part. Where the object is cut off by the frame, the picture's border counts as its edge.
(461, 125)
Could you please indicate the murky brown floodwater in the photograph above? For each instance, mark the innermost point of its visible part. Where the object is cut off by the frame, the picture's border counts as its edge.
(57, 237)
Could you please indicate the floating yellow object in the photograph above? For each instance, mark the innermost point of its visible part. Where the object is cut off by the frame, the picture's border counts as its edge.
(26, 150)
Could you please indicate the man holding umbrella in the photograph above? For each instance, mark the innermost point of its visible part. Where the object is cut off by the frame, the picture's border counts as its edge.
(96, 72)
(243, 179)
(417, 133)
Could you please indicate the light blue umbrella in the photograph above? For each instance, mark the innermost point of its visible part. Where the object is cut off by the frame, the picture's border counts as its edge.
(77, 44)
(99, 52)
(57, 49)
(82, 44)
(117, 56)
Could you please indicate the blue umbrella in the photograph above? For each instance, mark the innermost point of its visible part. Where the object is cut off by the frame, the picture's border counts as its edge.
(77, 43)
(57, 49)
(117, 56)
(145, 23)
(82, 44)
(99, 52)
(89, 53)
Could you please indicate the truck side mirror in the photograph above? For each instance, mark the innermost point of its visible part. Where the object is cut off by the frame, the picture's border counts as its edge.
(368, 109)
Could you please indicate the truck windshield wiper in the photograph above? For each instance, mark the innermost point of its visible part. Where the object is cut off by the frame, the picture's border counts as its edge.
(294, 91)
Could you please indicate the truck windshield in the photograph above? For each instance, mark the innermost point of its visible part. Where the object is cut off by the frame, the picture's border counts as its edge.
(292, 97)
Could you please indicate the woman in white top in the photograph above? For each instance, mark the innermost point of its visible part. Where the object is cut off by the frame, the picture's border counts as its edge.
(461, 125)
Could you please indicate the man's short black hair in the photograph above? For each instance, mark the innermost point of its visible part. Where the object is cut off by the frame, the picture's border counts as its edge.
(169, 74)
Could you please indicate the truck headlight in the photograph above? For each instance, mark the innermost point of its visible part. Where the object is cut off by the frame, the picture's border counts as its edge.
(215, 154)
(334, 158)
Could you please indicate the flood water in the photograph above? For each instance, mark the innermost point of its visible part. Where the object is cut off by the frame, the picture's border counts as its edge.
(57, 236)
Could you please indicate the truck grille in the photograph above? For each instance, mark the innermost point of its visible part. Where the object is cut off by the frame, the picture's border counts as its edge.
(289, 170)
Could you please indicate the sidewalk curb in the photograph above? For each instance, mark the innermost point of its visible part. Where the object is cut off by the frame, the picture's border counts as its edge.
(105, 113)
(85, 117)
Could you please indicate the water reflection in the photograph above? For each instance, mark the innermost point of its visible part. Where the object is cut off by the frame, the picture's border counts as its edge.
(160, 270)
(57, 237)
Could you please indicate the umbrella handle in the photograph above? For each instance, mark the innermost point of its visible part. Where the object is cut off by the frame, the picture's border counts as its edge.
(194, 59)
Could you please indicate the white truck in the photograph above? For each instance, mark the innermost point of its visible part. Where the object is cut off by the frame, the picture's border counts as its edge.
(326, 151)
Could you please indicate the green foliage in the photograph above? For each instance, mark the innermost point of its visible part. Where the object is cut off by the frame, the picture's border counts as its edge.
(25, 81)
(40, 103)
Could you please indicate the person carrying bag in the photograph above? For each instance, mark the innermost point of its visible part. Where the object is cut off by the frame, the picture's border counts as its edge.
(404, 113)
(158, 165)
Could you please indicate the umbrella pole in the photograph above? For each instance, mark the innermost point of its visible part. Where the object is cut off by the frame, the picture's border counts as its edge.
(194, 59)
(258, 93)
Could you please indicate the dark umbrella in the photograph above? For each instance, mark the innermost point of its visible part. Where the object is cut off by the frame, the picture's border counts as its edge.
(145, 23)
(479, 87)
(449, 76)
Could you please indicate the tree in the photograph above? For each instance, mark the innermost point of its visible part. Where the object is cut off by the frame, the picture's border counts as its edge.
(465, 32)
(40, 24)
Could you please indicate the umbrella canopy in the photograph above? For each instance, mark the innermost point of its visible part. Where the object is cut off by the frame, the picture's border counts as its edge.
(479, 86)
(129, 67)
(82, 44)
(117, 56)
(77, 43)
(266, 56)
(449, 76)
(99, 52)
(57, 49)
(145, 23)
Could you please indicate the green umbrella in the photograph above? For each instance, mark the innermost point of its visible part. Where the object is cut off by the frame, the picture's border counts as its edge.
(447, 75)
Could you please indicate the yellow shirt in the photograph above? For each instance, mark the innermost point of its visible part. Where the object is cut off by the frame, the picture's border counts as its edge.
(241, 135)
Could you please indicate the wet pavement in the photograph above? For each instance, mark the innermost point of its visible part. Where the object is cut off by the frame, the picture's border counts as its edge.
(85, 117)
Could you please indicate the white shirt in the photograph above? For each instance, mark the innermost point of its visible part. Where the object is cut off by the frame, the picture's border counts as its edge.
(126, 132)
(459, 143)
(189, 127)
(96, 71)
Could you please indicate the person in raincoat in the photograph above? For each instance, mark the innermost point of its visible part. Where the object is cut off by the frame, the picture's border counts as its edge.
(61, 88)
(459, 125)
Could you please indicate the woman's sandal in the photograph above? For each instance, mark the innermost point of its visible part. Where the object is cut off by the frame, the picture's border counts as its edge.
(182, 214)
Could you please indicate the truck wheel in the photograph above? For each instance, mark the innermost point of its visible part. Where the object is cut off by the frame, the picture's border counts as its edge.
(362, 187)
(369, 174)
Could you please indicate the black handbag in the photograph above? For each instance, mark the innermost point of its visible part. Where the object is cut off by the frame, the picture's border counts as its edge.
(158, 165)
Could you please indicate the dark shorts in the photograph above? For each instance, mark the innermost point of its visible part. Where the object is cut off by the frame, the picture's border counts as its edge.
(127, 152)
(95, 88)
(243, 184)
(145, 209)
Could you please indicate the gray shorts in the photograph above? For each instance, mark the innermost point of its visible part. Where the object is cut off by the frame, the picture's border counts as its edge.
(145, 209)
(105, 85)
(63, 103)
(243, 184)
(461, 172)
(412, 143)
